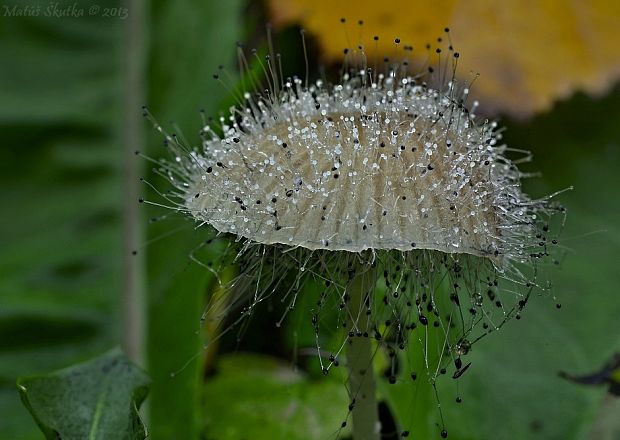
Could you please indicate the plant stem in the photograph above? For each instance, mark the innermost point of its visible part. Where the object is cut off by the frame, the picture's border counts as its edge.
(362, 385)
(133, 300)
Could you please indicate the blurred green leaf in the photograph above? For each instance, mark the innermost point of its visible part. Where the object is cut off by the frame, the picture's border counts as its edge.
(98, 399)
(258, 397)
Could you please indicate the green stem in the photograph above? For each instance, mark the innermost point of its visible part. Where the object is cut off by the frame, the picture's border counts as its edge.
(362, 387)
(133, 297)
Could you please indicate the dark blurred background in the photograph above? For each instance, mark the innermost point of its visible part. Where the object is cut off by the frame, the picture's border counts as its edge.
(71, 91)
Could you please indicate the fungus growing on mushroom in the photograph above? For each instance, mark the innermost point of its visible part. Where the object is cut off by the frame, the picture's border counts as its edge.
(386, 188)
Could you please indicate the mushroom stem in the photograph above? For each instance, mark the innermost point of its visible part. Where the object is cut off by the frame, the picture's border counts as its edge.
(362, 387)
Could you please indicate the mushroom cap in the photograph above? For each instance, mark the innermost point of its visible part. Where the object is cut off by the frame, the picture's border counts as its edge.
(391, 165)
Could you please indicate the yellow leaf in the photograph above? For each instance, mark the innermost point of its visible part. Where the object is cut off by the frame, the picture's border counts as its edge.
(528, 53)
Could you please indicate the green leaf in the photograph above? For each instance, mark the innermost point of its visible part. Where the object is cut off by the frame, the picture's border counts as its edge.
(98, 399)
(258, 397)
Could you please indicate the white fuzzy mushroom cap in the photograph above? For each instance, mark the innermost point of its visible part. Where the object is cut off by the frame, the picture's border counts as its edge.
(390, 164)
(380, 175)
